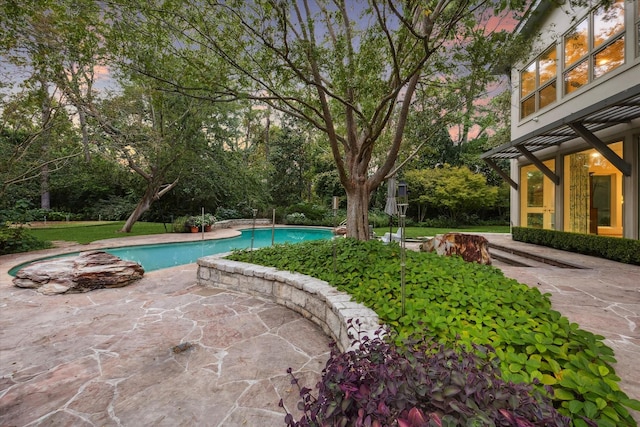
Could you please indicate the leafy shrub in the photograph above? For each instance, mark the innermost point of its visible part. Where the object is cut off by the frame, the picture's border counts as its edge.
(469, 304)
(380, 219)
(296, 218)
(115, 208)
(19, 239)
(309, 210)
(419, 384)
(180, 224)
(22, 213)
(200, 220)
(226, 213)
(613, 248)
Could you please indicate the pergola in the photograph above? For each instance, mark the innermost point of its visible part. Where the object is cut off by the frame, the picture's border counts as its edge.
(620, 108)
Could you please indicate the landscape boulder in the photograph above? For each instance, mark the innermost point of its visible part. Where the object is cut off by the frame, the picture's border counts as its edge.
(82, 273)
(471, 247)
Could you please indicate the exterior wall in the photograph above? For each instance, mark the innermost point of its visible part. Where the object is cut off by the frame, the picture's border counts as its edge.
(556, 23)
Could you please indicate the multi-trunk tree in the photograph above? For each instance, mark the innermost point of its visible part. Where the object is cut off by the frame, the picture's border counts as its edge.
(348, 68)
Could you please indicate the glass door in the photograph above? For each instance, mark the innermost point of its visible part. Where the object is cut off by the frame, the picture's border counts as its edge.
(537, 197)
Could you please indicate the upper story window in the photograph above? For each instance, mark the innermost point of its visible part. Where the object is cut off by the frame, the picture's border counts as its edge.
(594, 47)
(538, 83)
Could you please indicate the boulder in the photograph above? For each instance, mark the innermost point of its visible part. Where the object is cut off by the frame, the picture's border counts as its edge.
(471, 247)
(340, 231)
(82, 273)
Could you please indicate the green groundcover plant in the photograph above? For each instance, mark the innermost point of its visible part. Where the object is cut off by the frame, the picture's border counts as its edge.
(464, 304)
(14, 239)
(419, 384)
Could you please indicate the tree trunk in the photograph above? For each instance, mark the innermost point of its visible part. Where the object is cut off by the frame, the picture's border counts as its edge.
(153, 192)
(85, 134)
(46, 115)
(45, 196)
(143, 205)
(358, 197)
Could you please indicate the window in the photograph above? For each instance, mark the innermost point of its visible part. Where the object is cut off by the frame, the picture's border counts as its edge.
(538, 83)
(594, 47)
(593, 193)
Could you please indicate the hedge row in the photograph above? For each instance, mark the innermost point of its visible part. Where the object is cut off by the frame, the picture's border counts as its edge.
(613, 248)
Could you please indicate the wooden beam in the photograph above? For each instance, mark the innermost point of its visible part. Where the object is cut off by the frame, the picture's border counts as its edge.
(502, 173)
(601, 147)
(543, 168)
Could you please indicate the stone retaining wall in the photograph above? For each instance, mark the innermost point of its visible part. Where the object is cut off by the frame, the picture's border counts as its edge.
(228, 223)
(313, 298)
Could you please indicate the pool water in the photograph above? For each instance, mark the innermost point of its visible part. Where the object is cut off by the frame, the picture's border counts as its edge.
(156, 257)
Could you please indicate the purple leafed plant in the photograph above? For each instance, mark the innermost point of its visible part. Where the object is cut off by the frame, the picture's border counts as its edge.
(418, 384)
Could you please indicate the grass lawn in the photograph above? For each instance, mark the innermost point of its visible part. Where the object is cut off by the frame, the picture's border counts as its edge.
(89, 232)
(416, 232)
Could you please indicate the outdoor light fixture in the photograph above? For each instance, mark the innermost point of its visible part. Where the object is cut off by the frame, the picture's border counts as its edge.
(403, 204)
(403, 197)
(335, 204)
(253, 230)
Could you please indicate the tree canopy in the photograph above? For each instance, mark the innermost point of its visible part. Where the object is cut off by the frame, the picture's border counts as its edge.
(354, 72)
(349, 69)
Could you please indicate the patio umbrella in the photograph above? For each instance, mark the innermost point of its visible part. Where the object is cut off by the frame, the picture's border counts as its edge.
(391, 207)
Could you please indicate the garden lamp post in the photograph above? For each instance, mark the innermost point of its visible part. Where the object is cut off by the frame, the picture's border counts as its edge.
(253, 229)
(334, 205)
(403, 204)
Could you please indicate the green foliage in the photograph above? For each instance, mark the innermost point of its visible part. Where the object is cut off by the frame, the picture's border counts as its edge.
(380, 219)
(19, 239)
(419, 384)
(113, 208)
(200, 220)
(613, 248)
(22, 213)
(311, 211)
(227, 213)
(290, 162)
(457, 190)
(180, 224)
(469, 304)
(420, 232)
(326, 185)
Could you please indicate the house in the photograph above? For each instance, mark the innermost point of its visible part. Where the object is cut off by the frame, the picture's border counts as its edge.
(575, 121)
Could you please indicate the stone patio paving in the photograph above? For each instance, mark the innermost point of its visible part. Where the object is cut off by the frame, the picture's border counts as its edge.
(106, 358)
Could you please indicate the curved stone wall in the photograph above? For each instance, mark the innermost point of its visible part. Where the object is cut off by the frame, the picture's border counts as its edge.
(313, 298)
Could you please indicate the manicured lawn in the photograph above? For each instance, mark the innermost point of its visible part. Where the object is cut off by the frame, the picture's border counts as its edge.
(417, 232)
(90, 232)
(87, 232)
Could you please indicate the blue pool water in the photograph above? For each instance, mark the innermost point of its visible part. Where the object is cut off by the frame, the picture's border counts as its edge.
(156, 257)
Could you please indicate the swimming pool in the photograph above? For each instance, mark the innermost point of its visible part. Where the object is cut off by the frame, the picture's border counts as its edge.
(159, 256)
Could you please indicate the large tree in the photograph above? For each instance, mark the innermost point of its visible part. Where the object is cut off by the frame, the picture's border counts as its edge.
(349, 68)
(52, 49)
(150, 131)
(37, 139)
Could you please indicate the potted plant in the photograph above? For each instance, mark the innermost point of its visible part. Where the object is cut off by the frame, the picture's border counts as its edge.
(207, 221)
(193, 223)
(201, 222)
